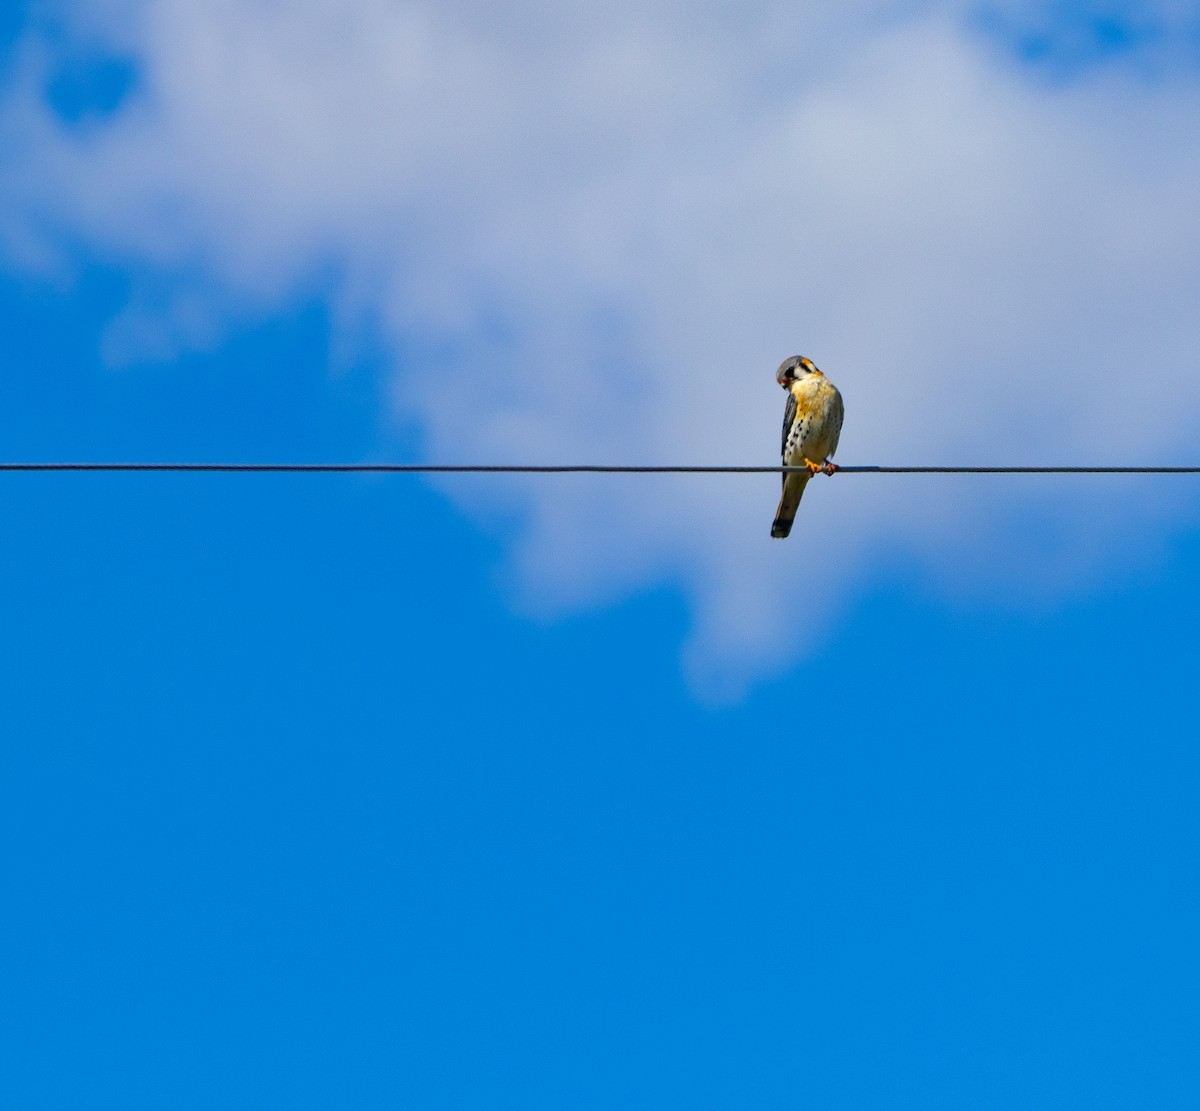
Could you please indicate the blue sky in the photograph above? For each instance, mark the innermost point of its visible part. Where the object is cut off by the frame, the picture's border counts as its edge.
(374, 792)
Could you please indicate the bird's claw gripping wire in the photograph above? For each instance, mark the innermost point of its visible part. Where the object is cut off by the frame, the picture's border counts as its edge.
(826, 467)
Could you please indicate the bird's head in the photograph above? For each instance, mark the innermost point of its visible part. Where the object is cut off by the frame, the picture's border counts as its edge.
(795, 367)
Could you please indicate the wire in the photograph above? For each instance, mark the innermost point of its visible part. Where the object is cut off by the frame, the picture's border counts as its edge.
(504, 468)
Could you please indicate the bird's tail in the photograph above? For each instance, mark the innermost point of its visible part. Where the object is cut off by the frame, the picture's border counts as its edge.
(793, 491)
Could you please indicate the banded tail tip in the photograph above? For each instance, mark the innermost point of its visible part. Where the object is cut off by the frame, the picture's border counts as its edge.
(793, 491)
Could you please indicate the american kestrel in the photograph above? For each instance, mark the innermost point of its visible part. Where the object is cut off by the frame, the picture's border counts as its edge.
(812, 423)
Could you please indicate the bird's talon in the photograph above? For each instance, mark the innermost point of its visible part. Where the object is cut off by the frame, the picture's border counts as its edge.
(812, 467)
(830, 468)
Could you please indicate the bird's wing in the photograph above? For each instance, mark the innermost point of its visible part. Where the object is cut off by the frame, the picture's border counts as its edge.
(838, 414)
(789, 420)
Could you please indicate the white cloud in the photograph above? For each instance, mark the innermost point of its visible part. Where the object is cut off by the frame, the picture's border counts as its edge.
(616, 222)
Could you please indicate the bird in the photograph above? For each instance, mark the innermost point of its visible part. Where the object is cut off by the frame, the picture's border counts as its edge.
(812, 423)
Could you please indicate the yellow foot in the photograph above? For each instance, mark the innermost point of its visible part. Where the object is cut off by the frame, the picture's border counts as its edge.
(830, 468)
(812, 467)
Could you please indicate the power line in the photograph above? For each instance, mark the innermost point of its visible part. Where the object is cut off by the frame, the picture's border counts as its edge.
(586, 468)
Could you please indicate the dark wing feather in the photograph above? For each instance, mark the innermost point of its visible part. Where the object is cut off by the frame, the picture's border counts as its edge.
(789, 418)
(839, 415)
